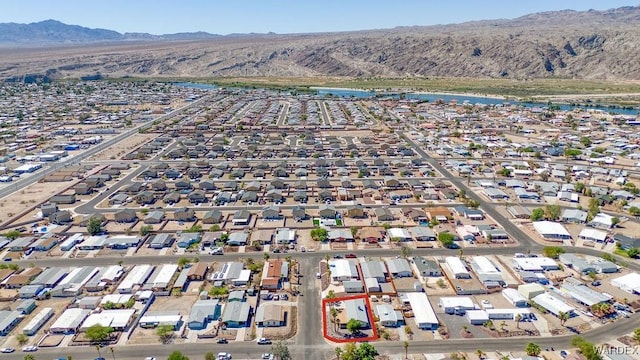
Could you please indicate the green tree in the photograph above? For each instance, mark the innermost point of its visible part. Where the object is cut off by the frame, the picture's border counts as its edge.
(563, 316)
(405, 345)
(405, 251)
(354, 231)
(552, 251)
(183, 261)
(165, 333)
(29, 357)
(615, 221)
(354, 326)
(145, 230)
(446, 239)
(532, 349)
(194, 229)
(537, 214)
(177, 355)
(22, 339)
(553, 211)
(585, 141)
(319, 234)
(280, 351)
(366, 351)
(579, 187)
(636, 336)
(209, 356)
(98, 333)
(214, 227)
(634, 210)
(12, 235)
(94, 227)
(334, 317)
(633, 252)
(588, 350)
(338, 352)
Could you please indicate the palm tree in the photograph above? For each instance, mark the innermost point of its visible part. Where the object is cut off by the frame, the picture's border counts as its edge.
(563, 316)
(338, 351)
(113, 352)
(98, 348)
(481, 354)
(518, 319)
(405, 344)
(334, 316)
(502, 326)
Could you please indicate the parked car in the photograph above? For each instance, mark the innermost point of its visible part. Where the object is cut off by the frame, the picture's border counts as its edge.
(596, 283)
(224, 356)
(264, 341)
(222, 341)
(7, 350)
(350, 256)
(150, 358)
(564, 353)
(217, 251)
(267, 356)
(30, 348)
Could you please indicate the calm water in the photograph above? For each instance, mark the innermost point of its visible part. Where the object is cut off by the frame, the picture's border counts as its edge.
(462, 98)
(361, 94)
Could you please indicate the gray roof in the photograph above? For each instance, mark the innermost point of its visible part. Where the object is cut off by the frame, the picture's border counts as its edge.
(203, 309)
(372, 269)
(398, 265)
(50, 276)
(356, 309)
(425, 265)
(7, 320)
(236, 311)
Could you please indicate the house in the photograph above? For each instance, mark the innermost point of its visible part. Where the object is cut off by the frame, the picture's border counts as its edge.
(145, 197)
(399, 234)
(236, 314)
(355, 309)
(249, 196)
(271, 213)
(439, 213)
(327, 211)
(355, 211)
(285, 236)
(271, 315)
(160, 241)
(602, 221)
(184, 214)
(388, 316)
(399, 268)
(159, 185)
(83, 189)
(422, 233)
(198, 272)
(202, 312)
(425, 317)
(427, 267)
(384, 214)
(414, 214)
(371, 234)
(118, 199)
(238, 238)
(574, 216)
(207, 185)
(186, 239)
(125, 216)
(48, 209)
(212, 217)
(61, 217)
(274, 273)
(299, 212)
(343, 270)
(171, 198)
(340, 235)
(63, 199)
(197, 197)
(154, 217)
(551, 230)
(241, 217)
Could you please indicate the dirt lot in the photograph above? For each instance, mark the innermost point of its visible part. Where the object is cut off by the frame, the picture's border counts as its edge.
(180, 304)
(123, 147)
(28, 197)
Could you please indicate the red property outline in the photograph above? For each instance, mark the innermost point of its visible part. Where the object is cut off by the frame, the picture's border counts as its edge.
(325, 330)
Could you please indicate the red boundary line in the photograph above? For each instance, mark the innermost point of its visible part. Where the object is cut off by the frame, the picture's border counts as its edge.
(325, 330)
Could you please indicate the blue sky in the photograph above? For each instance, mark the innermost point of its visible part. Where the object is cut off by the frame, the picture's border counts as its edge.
(279, 16)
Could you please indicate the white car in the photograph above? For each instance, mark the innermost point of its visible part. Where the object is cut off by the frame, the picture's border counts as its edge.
(150, 358)
(267, 356)
(7, 350)
(30, 348)
(224, 356)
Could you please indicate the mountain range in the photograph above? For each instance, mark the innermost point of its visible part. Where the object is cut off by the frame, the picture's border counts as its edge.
(563, 44)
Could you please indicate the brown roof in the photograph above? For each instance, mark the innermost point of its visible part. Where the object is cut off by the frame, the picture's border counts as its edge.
(371, 232)
(18, 280)
(274, 269)
(199, 269)
(439, 211)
